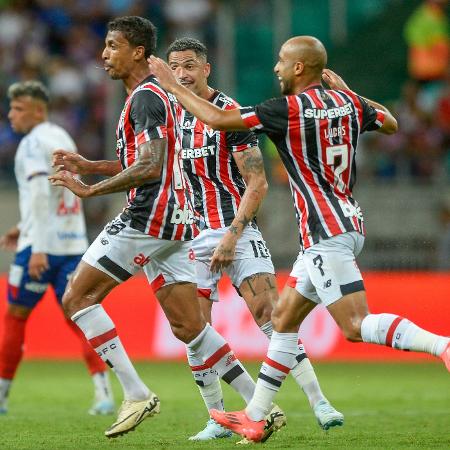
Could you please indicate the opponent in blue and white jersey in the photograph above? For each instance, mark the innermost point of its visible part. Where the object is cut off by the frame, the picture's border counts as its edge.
(49, 240)
(51, 219)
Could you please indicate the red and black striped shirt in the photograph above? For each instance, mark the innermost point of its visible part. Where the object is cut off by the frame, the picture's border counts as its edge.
(160, 208)
(210, 169)
(316, 134)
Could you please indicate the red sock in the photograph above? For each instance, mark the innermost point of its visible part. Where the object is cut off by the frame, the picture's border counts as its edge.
(93, 361)
(11, 347)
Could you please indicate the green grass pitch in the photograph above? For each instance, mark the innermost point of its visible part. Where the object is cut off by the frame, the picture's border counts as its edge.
(386, 406)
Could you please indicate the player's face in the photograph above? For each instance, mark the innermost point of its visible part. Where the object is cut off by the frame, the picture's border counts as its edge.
(284, 70)
(191, 70)
(24, 113)
(118, 56)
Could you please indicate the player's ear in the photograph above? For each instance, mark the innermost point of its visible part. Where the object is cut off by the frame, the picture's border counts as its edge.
(207, 69)
(298, 68)
(139, 52)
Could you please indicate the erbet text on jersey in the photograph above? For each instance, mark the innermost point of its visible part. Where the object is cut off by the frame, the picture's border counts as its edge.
(184, 216)
(193, 153)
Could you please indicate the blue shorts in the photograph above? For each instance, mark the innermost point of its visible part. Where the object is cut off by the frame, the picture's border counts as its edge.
(24, 291)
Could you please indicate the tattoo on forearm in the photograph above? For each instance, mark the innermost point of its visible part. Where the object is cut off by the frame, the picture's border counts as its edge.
(149, 162)
(253, 163)
(233, 229)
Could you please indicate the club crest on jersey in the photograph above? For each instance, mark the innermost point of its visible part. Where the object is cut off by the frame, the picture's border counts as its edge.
(182, 216)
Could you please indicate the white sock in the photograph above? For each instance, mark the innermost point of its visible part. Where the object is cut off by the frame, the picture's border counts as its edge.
(207, 381)
(217, 354)
(303, 371)
(279, 361)
(99, 330)
(5, 386)
(397, 332)
(102, 385)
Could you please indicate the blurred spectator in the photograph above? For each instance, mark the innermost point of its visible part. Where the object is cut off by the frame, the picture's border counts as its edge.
(443, 250)
(427, 35)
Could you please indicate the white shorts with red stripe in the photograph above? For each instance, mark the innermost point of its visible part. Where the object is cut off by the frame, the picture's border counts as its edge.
(251, 257)
(121, 251)
(327, 271)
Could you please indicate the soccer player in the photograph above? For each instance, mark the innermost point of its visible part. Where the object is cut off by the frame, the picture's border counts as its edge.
(316, 132)
(225, 172)
(153, 232)
(49, 240)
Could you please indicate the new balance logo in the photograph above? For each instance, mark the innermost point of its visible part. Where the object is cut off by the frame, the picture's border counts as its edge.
(327, 284)
(184, 216)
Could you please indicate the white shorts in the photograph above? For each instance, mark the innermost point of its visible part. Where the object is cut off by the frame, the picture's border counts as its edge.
(121, 251)
(327, 271)
(251, 257)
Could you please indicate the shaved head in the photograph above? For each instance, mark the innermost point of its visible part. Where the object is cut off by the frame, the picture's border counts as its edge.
(301, 61)
(308, 50)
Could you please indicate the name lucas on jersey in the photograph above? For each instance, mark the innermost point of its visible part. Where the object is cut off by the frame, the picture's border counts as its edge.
(334, 132)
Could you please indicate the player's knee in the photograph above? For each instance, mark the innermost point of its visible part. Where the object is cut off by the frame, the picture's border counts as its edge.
(262, 314)
(281, 321)
(186, 332)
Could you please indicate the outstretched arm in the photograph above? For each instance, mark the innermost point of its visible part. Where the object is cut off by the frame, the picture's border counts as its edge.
(75, 163)
(202, 109)
(251, 166)
(336, 82)
(146, 168)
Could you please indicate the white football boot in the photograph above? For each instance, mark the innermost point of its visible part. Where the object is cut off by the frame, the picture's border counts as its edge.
(212, 431)
(131, 414)
(327, 416)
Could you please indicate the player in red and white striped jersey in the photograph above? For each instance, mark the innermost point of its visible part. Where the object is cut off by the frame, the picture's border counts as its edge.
(153, 233)
(316, 131)
(216, 164)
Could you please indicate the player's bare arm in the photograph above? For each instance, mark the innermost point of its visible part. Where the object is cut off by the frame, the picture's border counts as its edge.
(251, 166)
(75, 163)
(333, 80)
(146, 168)
(9, 240)
(204, 110)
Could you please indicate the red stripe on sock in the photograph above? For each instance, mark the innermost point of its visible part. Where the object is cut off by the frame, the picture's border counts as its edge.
(215, 357)
(105, 337)
(93, 361)
(276, 365)
(203, 367)
(391, 331)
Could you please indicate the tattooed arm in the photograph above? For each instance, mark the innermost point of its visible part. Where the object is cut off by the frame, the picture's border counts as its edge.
(146, 168)
(251, 166)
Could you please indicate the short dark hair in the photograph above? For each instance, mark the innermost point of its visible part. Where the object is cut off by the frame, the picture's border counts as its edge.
(186, 43)
(32, 88)
(138, 31)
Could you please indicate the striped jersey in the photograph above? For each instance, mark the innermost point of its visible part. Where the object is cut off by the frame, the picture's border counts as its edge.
(160, 208)
(316, 134)
(209, 167)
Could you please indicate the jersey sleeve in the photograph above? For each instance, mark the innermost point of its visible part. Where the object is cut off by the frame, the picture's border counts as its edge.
(35, 161)
(148, 116)
(238, 141)
(268, 117)
(372, 118)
